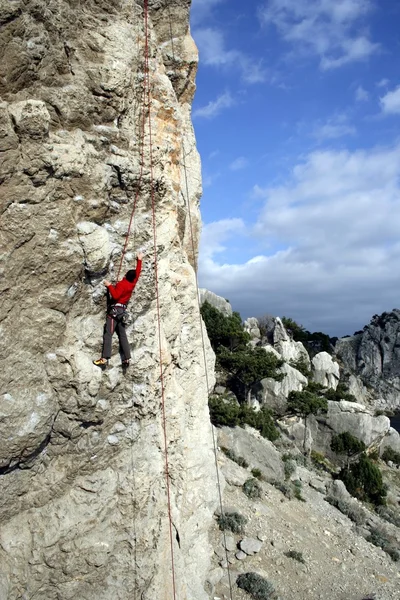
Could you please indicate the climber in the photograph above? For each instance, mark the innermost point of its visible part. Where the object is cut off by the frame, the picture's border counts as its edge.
(119, 297)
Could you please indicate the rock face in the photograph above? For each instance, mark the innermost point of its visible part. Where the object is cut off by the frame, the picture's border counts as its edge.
(83, 504)
(374, 355)
(217, 301)
(325, 370)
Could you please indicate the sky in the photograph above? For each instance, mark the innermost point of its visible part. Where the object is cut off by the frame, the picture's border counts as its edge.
(297, 121)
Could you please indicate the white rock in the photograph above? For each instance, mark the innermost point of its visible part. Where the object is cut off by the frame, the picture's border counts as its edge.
(250, 546)
(325, 370)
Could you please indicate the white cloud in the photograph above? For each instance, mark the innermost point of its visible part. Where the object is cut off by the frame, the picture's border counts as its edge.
(326, 28)
(214, 234)
(390, 103)
(331, 235)
(335, 127)
(213, 52)
(383, 82)
(214, 107)
(238, 164)
(361, 94)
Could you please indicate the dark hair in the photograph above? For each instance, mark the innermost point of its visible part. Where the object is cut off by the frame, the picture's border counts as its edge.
(131, 274)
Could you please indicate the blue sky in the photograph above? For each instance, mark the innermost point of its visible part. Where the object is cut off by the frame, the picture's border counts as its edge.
(297, 116)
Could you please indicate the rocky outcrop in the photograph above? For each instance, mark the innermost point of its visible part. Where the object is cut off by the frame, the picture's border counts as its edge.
(374, 356)
(341, 416)
(252, 327)
(325, 370)
(216, 301)
(289, 350)
(83, 503)
(274, 394)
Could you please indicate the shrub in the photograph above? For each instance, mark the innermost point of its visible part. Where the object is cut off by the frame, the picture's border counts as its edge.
(232, 521)
(295, 555)
(239, 460)
(341, 393)
(354, 512)
(223, 412)
(363, 480)
(228, 413)
(286, 489)
(256, 586)
(321, 462)
(290, 468)
(257, 473)
(389, 514)
(379, 538)
(391, 455)
(297, 487)
(301, 365)
(305, 403)
(252, 488)
(347, 444)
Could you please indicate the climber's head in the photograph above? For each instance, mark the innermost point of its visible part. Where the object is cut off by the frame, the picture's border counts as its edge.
(131, 274)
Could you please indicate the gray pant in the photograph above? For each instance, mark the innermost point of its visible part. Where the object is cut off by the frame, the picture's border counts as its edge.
(115, 322)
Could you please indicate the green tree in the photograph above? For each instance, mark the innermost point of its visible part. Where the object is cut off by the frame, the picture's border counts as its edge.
(250, 365)
(363, 480)
(306, 403)
(345, 443)
(224, 331)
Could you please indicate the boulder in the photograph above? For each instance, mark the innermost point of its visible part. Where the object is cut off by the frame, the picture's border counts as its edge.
(325, 370)
(250, 546)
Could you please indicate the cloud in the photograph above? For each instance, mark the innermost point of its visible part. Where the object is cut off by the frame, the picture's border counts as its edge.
(331, 244)
(335, 127)
(325, 28)
(390, 103)
(383, 82)
(214, 234)
(213, 52)
(239, 163)
(214, 107)
(361, 94)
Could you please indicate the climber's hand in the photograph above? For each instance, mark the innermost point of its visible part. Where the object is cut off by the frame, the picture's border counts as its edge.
(140, 255)
(106, 283)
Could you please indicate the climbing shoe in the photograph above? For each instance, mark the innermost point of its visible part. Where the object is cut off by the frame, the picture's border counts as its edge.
(125, 364)
(100, 362)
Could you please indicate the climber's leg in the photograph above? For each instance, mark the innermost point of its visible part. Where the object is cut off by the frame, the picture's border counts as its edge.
(124, 346)
(109, 329)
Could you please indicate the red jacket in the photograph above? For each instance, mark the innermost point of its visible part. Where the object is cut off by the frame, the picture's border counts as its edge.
(122, 291)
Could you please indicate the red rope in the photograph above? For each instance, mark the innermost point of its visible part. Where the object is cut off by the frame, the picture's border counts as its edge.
(164, 420)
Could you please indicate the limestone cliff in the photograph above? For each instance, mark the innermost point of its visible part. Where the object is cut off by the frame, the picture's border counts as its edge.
(83, 505)
(372, 355)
